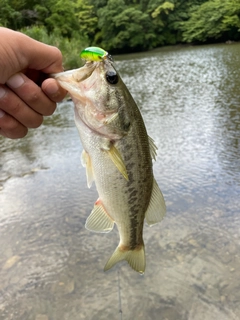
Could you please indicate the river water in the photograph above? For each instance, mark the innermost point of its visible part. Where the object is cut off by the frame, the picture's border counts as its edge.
(51, 267)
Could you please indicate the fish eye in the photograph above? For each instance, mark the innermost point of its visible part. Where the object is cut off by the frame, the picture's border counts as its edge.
(112, 77)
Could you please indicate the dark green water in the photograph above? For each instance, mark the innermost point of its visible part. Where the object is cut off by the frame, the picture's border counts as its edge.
(51, 267)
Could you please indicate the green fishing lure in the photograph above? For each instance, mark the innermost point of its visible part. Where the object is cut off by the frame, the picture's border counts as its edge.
(94, 54)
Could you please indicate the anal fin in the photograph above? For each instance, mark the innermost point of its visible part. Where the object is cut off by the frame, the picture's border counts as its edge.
(156, 209)
(99, 220)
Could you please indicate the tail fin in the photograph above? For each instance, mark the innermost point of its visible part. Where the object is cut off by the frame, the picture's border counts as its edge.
(135, 258)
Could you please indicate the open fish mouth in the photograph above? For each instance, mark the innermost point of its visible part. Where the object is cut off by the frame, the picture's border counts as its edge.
(77, 76)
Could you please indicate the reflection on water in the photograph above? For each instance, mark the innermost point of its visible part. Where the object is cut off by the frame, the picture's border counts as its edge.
(51, 267)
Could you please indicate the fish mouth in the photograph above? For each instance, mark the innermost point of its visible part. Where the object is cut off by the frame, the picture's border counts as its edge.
(75, 79)
(79, 74)
(63, 73)
(80, 81)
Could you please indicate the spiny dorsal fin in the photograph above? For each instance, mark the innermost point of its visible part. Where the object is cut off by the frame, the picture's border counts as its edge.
(99, 220)
(156, 208)
(86, 162)
(153, 148)
(116, 158)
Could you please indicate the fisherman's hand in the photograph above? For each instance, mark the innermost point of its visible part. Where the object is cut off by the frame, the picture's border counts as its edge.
(25, 95)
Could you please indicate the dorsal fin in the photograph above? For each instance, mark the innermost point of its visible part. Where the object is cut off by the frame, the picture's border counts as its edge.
(156, 209)
(153, 148)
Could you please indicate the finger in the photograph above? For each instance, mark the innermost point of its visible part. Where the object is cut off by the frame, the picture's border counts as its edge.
(37, 55)
(25, 52)
(44, 57)
(15, 107)
(31, 94)
(53, 90)
(10, 127)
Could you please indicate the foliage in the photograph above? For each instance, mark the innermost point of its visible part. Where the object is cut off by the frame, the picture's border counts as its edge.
(87, 19)
(160, 11)
(9, 16)
(123, 25)
(213, 19)
(166, 7)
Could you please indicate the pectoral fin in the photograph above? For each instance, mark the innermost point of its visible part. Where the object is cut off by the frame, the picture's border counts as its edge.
(86, 162)
(99, 220)
(110, 119)
(116, 158)
(156, 208)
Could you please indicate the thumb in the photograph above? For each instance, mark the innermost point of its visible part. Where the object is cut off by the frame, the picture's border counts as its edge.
(19, 52)
(43, 57)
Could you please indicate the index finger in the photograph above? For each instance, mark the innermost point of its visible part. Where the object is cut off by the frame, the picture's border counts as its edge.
(31, 94)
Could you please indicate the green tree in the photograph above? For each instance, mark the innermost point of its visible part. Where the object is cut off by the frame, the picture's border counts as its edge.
(63, 17)
(97, 4)
(124, 27)
(160, 11)
(87, 18)
(213, 19)
(10, 16)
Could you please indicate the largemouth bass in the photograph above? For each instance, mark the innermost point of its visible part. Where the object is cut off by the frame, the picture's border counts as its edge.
(118, 157)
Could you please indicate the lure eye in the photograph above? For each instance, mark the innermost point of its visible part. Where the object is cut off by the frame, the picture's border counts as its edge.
(112, 77)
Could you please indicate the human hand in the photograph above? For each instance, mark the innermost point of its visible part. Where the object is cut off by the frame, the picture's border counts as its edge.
(24, 65)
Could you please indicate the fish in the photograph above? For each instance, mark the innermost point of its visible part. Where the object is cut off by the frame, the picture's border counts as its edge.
(118, 156)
